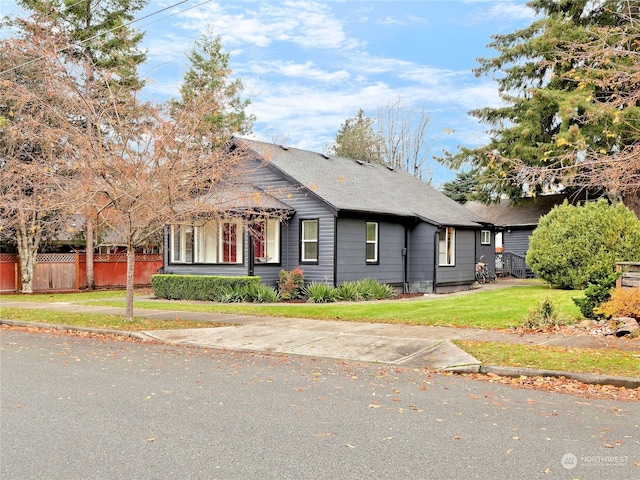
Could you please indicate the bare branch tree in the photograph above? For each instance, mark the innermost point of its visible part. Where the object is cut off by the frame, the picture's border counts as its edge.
(403, 132)
(33, 141)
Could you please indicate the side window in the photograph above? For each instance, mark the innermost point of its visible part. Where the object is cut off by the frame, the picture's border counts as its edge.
(372, 242)
(181, 244)
(447, 247)
(309, 240)
(485, 237)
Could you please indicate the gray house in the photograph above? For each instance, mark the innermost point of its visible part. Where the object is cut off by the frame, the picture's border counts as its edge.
(338, 219)
(514, 224)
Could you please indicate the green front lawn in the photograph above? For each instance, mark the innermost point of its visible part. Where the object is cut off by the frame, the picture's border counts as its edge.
(94, 320)
(584, 360)
(502, 308)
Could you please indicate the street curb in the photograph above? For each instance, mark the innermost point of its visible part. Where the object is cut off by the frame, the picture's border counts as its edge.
(104, 331)
(588, 378)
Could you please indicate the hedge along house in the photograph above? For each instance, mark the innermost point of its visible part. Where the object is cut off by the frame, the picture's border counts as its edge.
(337, 219)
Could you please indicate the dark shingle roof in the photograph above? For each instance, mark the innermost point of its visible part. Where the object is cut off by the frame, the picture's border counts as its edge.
(353, 186)
(526, 213)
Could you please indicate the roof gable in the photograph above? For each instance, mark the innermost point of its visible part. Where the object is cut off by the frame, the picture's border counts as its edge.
(350, 185)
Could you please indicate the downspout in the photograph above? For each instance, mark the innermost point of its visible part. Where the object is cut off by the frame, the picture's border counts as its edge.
(251, 259)
(335, 251)
(436, 256)
(405, 265)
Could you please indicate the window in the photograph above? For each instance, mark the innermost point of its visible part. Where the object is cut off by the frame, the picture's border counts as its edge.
(211, 242)
(266, 241)
(181, 243)
(229, 242)
(372, 242)
(309, 241)
(206, 243)
(485, 237)
(447, 247)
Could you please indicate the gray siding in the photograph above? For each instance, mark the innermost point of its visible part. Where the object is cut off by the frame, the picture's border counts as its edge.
(307, 207)
(351, 255)
(421, 257)
(517, 241)
(486, 251)
(463, 272)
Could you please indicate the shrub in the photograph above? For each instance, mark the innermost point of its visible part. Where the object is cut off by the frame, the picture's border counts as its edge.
(573, 246)
(317, 292)
(543, 316)
(291, 284)
(349, 292)
(371, 289)
(198, 287)
(261, 293)
(230, 295)
(594, 295)
(624, 302)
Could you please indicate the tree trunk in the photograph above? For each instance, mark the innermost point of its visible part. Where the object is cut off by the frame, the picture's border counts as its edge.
(28, 237)
(90, 229)
(28, 257)
(131, 263)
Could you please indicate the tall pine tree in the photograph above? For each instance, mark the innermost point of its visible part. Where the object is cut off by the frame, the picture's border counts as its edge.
(553, 115)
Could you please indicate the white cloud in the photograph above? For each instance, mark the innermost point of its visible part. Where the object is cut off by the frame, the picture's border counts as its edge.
(505, 11)
(305, 23)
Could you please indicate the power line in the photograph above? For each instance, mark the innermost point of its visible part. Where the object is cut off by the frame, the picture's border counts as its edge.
(157, 12)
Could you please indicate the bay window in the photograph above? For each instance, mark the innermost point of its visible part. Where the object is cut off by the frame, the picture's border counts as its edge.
(210, 242)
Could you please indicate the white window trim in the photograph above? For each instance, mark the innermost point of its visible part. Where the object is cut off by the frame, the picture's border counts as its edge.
(304, 241)
(483, 234)
(374, 242)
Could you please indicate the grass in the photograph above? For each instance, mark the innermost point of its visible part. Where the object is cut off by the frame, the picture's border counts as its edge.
(93, 320)
(80, 297)
(489, 309)
(609, 362)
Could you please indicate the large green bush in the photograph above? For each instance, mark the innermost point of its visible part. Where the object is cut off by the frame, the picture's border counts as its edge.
(576, 245)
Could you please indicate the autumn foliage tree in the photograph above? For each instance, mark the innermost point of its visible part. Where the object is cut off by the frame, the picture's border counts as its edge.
(101, 44)
(33, 141)
(140, 165)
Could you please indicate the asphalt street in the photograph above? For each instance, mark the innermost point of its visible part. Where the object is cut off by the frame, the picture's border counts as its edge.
(81, 407)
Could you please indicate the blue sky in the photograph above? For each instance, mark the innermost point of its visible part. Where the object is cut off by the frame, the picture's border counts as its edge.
(309, 65)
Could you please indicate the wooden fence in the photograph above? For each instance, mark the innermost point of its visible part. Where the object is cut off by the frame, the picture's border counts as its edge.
(67, 271)
(630, 274)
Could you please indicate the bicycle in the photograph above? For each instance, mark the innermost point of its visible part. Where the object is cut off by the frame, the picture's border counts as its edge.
(482, 274)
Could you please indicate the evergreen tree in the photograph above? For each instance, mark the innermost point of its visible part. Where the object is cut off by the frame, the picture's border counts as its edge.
(357, 139)
(556, 112)
(208, 77)
(464, 187)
